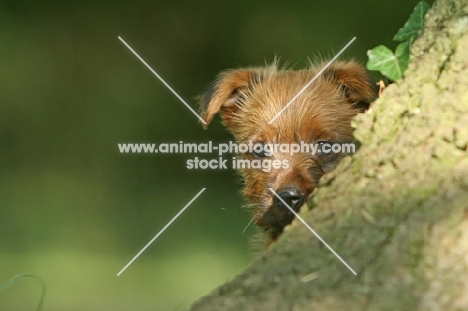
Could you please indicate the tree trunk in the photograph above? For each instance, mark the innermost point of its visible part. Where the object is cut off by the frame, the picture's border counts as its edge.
(396, 211)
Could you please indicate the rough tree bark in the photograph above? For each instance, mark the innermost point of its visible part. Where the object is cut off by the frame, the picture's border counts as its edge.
(396, 212)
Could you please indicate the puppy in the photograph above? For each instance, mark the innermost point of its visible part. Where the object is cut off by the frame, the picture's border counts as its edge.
(248, 99)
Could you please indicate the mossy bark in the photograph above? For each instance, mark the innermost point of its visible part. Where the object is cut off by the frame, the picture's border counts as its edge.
(396, 212)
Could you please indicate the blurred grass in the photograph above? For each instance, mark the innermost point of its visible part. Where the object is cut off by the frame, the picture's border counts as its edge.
(25, 276)
(82, 281)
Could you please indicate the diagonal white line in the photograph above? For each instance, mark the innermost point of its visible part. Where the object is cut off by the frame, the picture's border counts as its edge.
(311, 81)
(312, 230)
(162, 80)
(160, 232)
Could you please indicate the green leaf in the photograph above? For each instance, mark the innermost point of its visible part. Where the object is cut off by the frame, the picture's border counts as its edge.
(414, 24)
(391, 65)
(19, 277)
(402, 54)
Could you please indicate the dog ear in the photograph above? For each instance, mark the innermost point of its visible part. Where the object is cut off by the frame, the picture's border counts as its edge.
(352, 77)
(225, 94)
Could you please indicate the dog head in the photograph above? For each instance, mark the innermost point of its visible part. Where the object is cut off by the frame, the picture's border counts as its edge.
(252, 104)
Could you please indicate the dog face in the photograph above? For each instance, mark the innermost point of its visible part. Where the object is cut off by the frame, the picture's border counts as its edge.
(248, 99)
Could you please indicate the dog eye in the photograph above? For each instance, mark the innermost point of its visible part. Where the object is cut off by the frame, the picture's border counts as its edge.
(259, 151)
(324, 147)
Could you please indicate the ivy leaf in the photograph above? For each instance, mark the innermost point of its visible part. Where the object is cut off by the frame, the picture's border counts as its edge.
(414, 24)
(391, 65)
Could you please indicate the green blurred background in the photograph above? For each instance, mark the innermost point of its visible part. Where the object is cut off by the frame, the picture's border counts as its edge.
(72, 209)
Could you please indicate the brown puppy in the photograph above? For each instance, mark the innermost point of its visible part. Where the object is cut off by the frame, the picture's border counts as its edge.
(248, 99)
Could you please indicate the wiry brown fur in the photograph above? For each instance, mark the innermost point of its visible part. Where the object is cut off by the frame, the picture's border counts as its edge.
(247, 99)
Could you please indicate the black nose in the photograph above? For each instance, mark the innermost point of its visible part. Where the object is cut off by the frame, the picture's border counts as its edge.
(292, 196)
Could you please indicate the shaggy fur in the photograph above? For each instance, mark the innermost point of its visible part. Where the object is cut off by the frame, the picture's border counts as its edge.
(247, 99)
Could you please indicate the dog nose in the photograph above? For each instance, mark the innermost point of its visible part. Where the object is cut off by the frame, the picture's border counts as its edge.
(292, 196)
